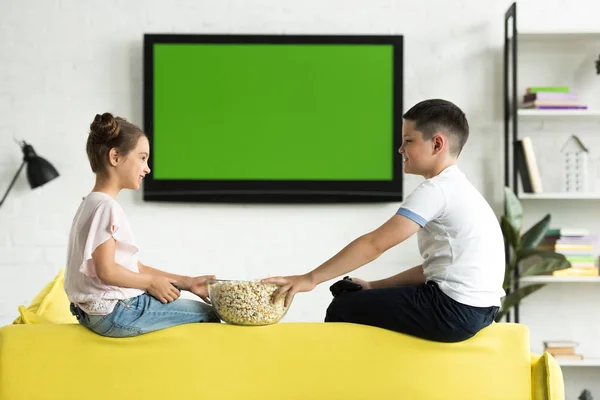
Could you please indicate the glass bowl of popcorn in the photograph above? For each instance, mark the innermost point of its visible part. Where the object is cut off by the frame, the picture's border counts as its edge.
(246, 302)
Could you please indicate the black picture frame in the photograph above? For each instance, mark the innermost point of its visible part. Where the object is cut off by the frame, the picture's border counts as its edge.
(256, 191)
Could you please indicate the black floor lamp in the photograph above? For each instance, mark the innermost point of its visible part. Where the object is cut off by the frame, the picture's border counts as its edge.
(39, 171)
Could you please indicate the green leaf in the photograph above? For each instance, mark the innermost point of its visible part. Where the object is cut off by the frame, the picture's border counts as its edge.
(534, 236)
(513, 209)
(546, 267)
(515, 298)
(510, 235)
(523, 254)
(508, 271)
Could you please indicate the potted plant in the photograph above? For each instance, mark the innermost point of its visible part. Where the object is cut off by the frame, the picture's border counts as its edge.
(523, 253)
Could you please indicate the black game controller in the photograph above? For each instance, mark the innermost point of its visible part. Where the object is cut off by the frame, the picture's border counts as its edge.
(345, 285)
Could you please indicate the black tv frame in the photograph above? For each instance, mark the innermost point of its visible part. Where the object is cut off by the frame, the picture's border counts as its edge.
(262, 191)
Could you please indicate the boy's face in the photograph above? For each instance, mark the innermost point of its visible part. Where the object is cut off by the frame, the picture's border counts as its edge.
(415, 150)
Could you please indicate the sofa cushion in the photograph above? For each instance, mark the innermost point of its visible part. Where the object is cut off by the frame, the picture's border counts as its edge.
(50, 306)
(546, 378)
(292, 361)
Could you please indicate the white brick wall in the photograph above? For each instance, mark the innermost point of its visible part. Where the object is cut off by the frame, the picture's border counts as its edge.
(61, 62)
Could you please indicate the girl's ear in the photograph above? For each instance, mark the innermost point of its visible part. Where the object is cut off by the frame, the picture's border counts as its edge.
(113, 157)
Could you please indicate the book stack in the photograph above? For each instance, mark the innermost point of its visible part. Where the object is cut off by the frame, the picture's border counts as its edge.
(562, 349)
(577, 245)
(551, 98)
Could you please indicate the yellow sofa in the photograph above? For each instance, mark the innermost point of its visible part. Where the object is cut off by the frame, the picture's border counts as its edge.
(303, 361)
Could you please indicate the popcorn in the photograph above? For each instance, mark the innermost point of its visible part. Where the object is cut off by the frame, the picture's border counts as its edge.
(246, 302)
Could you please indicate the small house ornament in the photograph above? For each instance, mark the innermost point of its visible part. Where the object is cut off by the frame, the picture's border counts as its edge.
(575, 165)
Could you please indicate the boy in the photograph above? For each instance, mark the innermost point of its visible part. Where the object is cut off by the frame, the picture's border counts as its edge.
(457, 290)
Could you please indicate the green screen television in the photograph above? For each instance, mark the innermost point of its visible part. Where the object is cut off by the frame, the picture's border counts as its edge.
(273, 118)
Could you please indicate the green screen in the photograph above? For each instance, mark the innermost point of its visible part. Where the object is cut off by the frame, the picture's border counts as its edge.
(273, 112)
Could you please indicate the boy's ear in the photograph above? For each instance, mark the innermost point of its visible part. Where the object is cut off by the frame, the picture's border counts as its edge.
(438, 142)
(113, 157)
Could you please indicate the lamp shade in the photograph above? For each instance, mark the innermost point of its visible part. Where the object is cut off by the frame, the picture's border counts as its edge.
(39, 170)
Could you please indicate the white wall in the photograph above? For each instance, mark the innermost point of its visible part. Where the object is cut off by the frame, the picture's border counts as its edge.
(61, 62)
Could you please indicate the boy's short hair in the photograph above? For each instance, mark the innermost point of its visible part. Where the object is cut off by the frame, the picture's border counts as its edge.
(434, 115)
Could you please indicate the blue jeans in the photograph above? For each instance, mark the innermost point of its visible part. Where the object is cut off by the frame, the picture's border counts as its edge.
(143, 314)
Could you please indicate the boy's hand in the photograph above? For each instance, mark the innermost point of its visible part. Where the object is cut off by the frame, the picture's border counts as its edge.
(162, 289)
(366, 285)
(290, 285)
(199, 286)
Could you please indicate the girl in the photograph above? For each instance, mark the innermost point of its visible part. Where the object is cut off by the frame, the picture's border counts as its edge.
(110, 290)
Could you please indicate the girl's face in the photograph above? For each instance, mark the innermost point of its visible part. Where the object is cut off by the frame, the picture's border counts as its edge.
(131, 169)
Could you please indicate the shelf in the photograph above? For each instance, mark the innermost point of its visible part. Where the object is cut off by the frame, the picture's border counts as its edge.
(531, 35)
(586, 362)
(559, 196)
(559, 279)
(525, 113)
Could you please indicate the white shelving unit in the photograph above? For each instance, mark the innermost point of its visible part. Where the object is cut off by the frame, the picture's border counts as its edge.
(559, 196)
(533, 113)
(553, 58)
(586, 362)
(553, 36)
(560, 279)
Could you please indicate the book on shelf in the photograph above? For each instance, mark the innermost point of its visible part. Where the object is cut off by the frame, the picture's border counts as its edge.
(562, 349)
(567, 350)
(576, 271)
(560, 343)
(553, 89)
(556, 107)
(577, 246)
(568, 356)
(567, 232)
(527, 166)
(551, 98)
(565, 239)
(557, 103)
(557, 247)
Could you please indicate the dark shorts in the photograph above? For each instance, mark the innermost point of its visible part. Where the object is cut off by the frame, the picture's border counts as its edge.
(422, 310)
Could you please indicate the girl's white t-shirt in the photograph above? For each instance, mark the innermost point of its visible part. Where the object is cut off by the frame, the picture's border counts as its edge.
(98, 218)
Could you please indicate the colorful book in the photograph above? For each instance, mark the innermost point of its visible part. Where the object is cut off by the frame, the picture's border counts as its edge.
(558, 107)
(557, 103)
(559, 89)
(532, 167)
(560, 343)
(543, 96)
(570, 239)
(575, 271)
(567, 232)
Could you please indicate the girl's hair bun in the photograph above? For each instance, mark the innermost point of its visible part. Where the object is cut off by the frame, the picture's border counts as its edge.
(104, 128)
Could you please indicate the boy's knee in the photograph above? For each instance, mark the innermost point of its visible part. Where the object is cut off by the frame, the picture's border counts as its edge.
(336, 309)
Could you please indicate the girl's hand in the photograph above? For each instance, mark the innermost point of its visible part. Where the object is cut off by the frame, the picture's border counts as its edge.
(290, 285)
(199, 286)
(162, 289)
(366, 285)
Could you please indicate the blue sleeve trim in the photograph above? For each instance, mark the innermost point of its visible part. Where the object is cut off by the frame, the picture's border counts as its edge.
(412, 216)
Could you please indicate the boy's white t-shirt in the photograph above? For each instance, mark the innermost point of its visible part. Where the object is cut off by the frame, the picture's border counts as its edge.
(98, 218)
(460, 241)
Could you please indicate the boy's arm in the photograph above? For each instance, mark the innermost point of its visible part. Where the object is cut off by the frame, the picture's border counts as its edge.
(358, 253)
(412, 276)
